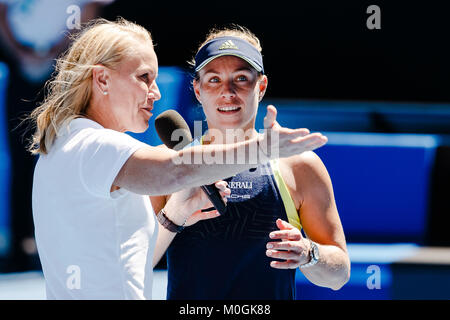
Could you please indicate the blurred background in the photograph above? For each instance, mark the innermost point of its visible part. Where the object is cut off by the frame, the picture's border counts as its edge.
(381, 95)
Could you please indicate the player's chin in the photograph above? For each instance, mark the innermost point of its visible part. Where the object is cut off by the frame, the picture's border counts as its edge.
(140, 127)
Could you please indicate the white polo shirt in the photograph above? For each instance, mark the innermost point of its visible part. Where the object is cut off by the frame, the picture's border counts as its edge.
(93, 244)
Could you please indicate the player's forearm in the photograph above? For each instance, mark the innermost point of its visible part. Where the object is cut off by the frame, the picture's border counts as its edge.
(165, 237)
(156, 171)
(332, 270)
(202, 165)
(163, 241)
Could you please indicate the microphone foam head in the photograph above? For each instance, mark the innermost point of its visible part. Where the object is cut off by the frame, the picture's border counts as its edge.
(173, 130)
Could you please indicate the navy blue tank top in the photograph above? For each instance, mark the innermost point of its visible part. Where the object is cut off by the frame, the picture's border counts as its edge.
(225, 257)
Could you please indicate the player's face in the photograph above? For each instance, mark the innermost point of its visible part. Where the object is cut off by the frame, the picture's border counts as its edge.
(133, 89)
(229, 90)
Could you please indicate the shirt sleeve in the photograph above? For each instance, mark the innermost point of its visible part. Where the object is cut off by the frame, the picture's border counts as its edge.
(102, 155)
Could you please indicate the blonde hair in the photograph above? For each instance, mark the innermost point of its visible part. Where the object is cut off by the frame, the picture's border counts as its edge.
(234, 30)
(101, 42)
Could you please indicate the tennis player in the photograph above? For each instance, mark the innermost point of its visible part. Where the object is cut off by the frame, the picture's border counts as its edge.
(253, 251)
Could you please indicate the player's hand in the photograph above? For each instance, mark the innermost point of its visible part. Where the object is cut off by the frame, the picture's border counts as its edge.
(191, 202)
(281, 142)
(291, 247)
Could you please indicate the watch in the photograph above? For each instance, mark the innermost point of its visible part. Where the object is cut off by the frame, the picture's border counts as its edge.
(313, 254)
(167, 223)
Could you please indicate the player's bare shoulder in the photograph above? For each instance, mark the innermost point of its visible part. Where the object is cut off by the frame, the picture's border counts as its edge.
(304, 174)
(303, 163)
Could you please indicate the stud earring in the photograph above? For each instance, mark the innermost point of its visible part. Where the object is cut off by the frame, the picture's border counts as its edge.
(105, 93)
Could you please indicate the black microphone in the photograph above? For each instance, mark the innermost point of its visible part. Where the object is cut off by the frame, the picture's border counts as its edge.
(166, 123)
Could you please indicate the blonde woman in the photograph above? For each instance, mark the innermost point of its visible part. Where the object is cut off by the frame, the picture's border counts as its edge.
(95, 227)
(253, 251)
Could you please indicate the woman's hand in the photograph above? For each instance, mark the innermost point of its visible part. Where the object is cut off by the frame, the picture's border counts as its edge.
(293, 247)
(186, 206)
(281, 142)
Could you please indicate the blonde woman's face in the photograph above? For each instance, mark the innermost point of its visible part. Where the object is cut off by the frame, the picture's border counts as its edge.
(133, 89)
(229, 90)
